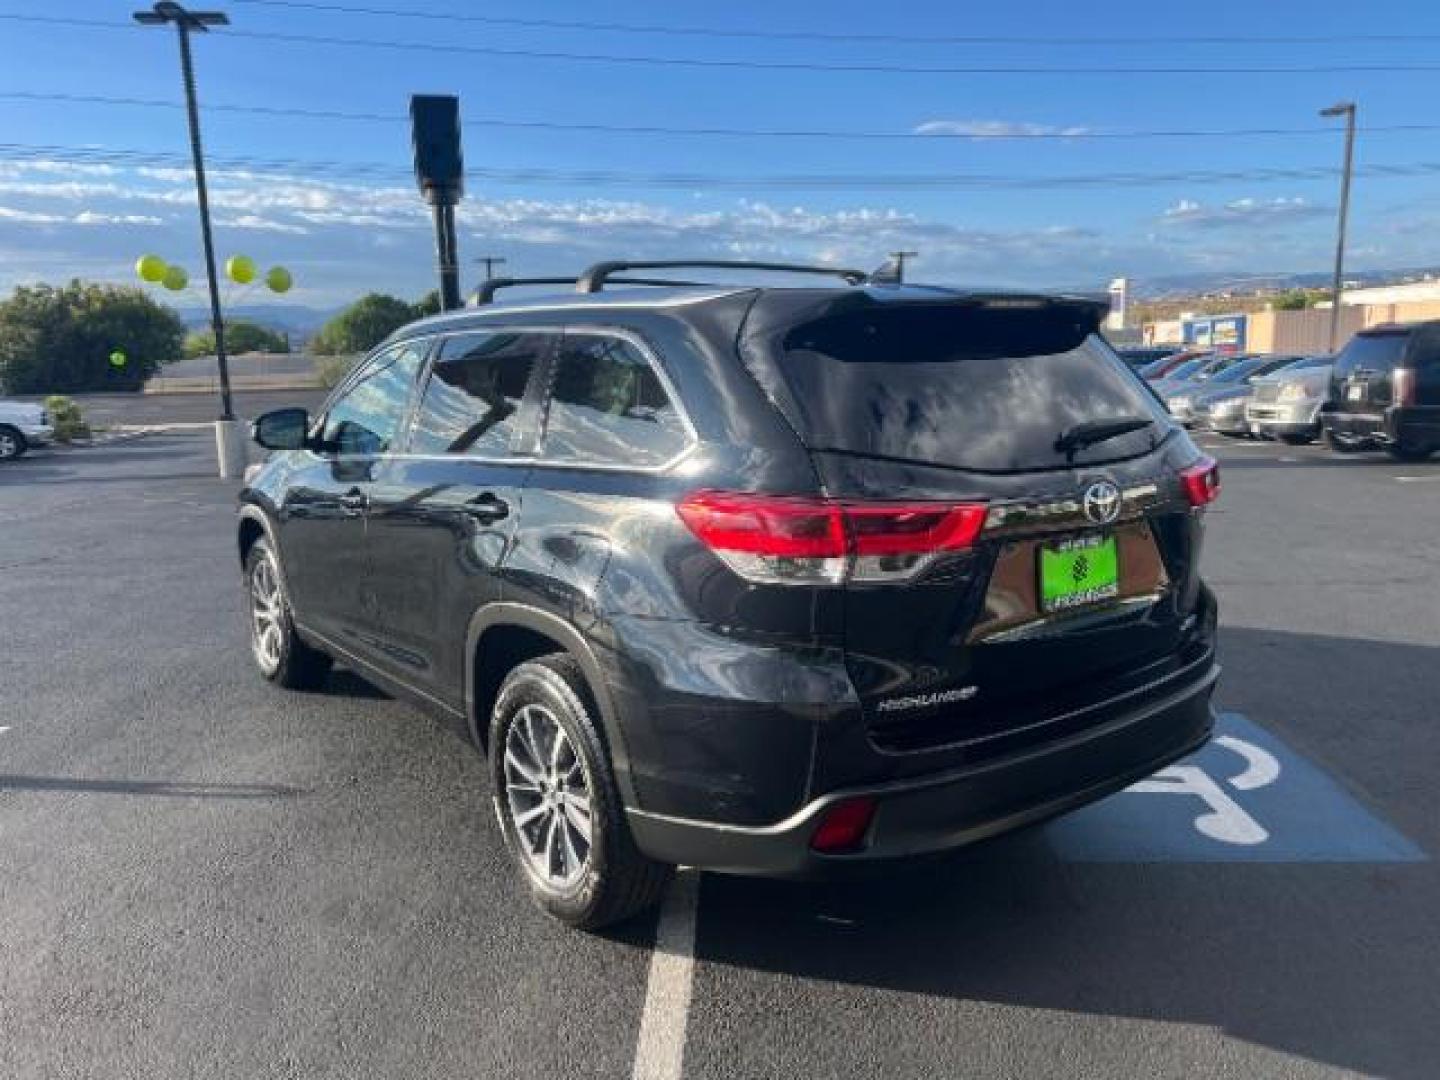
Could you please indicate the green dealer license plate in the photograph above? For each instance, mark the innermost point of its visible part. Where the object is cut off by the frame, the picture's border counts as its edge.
(1078, 571)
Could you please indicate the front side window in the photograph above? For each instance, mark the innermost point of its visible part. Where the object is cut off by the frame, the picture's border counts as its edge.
(608, 406)
(366, 417)
(473, 397)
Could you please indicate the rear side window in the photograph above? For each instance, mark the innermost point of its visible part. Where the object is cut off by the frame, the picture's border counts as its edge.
(609, 407)
(968, 387)
(1371, 352)
(473, 397)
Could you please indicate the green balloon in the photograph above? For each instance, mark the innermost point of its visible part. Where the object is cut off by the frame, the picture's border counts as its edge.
(151, 268)
(279, 279)
(117, 359)
(175, 278)
(240, 269)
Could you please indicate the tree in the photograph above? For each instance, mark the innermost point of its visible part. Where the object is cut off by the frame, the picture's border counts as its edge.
(363, 325)
(63, 339)
(429, 304)
(241, 336)
(1292, 300)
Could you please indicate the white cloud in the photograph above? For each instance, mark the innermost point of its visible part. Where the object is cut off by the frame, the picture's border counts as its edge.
(997, 129)
(260, 224)
(84, 217)
(1241, 212)
(91, 217)
(28, 217)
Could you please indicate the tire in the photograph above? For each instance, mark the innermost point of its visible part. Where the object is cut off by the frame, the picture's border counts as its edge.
(12, 443)
(274, 645)
(538, 776)
(1340, 447)
(1304, 439)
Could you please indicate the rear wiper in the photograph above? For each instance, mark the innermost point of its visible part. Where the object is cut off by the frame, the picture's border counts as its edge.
(1097, 431)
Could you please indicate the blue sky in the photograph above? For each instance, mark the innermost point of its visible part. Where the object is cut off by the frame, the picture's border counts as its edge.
(343, 229)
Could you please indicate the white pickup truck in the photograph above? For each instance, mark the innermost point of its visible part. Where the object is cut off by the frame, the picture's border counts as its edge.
(23, 424)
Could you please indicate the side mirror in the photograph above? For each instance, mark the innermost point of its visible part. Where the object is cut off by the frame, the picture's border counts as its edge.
(281, 429)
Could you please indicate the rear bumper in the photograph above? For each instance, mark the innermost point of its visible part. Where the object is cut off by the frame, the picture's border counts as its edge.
(1418, 425)
(946, 810)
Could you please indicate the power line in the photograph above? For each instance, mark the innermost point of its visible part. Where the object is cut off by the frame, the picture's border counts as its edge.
(979, 135)
(852, 36)
(610, 178)
(717, 63)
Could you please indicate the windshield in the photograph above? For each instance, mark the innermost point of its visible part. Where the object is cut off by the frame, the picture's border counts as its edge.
(1371, 352)
(1236, 373)
(974, 388)
(1184, 370)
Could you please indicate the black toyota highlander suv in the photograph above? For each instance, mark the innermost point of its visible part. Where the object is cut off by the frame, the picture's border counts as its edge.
(754, 579)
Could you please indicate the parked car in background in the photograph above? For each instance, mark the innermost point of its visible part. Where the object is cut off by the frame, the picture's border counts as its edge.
(23, 424)
(1385, 392)
(1286, 404)
(752, 579)
(1158, 369)
(1219, 405)
(1140, 356)
(1191, 375)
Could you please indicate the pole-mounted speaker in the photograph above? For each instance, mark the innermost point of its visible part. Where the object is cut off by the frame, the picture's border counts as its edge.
(435, 128)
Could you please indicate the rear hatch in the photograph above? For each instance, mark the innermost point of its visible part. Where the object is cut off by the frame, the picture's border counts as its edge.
(1362, 381)
(1081, 585)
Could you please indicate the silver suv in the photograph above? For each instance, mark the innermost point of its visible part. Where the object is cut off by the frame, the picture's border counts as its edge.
(1286, 405)
(22, 425)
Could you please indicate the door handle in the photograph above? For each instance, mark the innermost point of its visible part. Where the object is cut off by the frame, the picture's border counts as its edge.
(488, 507)
(354, 502)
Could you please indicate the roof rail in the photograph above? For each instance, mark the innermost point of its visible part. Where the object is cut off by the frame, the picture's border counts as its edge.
(485, 294)
(594, 279)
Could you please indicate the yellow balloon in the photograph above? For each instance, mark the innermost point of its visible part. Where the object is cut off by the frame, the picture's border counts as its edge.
(240, 269)
(175, 278)
(151, 268)
(279, 279)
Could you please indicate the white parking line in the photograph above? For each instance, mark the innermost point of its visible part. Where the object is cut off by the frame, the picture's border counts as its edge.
(1432, 479)
(660, 1047)
(3, 730)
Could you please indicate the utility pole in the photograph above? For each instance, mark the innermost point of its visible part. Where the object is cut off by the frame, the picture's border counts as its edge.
(229, 440)
(490, 261)
(900, 257)
(1347, 110)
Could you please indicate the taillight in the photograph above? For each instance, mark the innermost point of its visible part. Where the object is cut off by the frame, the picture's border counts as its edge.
(843, 826)
(1402, 383)
(793, 540)
(1201, 481)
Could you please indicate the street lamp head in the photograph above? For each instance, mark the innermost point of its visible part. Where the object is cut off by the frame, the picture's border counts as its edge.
(1339, 109)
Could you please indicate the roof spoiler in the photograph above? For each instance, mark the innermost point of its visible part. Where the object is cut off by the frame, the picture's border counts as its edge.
(595, 278)
(485, 294)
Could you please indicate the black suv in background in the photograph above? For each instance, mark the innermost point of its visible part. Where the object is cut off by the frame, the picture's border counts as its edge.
(1385, 392)
(753, 579)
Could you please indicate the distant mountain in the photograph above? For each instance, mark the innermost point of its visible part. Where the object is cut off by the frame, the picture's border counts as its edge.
(293, 319)
(1178, 285)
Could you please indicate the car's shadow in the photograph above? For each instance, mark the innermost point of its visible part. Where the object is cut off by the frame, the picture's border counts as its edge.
(1333, 962)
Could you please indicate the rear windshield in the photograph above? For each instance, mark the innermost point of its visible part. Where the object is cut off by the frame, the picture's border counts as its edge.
(1370, 352)
(972, 388)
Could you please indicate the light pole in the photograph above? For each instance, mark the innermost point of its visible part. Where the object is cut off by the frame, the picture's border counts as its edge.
(229, 441)
(490, 261)
(1347, 110)
(900, 257)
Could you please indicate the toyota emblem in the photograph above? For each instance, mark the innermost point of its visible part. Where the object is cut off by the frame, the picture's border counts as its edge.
(1102, 502)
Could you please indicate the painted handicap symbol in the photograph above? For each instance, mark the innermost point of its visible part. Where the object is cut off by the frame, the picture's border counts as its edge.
(1226, 820)
(1251, 798)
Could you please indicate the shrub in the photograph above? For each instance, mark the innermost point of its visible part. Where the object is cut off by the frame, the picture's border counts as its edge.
(66, 418)
(331, 369)
(62, 338)
(241, 336)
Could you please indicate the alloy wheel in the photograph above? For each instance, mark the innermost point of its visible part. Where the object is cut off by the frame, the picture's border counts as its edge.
(267, 614)
(549, 797)
(9, 447)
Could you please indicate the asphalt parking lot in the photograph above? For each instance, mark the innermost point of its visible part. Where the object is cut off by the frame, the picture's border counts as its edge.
(201, 875)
